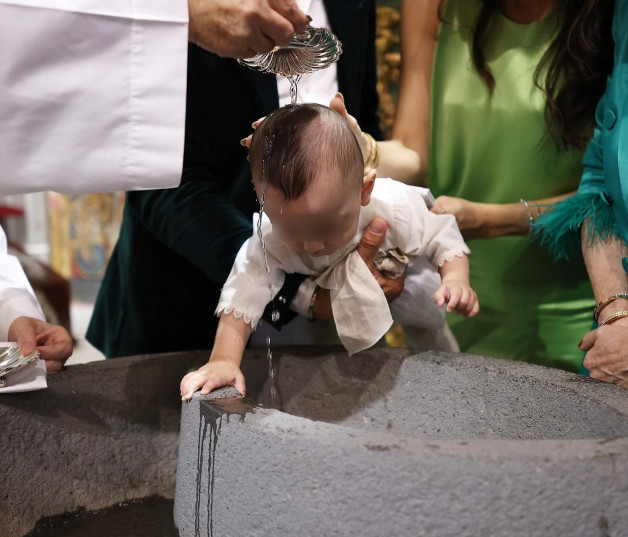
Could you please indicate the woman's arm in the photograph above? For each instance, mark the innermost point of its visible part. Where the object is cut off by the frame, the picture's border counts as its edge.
(603, 259)
(405, 156)
(419, 29)
(606, 357)
(489, 220)
(395, 160)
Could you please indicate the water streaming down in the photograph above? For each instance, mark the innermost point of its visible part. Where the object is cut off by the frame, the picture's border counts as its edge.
(275, 316)
(309, 51)
(294, 81)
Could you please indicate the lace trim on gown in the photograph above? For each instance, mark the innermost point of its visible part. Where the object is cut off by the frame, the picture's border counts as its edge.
(450, 254)
(229, 309)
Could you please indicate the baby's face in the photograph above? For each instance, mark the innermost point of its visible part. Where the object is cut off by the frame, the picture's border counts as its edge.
(319, 222)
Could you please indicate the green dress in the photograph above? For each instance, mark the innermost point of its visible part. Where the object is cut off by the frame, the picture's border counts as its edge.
(496, 150)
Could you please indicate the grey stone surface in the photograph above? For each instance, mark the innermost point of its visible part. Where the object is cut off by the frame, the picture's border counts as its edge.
(101, 433)
(389, 443)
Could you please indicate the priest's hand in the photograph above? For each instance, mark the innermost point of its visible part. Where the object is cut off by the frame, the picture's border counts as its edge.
(243, 28)
(53, 342)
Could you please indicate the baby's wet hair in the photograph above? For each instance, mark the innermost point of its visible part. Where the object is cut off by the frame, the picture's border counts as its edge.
(298, 143)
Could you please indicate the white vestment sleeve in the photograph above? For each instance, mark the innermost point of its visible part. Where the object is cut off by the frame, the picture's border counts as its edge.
(92, 93)
(16, 295)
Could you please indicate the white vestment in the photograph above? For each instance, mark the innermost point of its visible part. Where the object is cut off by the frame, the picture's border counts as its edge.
(16, 294)
(92, 94)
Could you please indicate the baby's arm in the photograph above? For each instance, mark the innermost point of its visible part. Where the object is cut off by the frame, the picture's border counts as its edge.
(223, 368)
(455, 289)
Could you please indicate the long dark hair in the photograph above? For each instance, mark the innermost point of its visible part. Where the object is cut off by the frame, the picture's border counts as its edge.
(575, 65)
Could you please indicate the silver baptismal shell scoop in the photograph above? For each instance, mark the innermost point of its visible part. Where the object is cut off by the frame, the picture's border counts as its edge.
(12, 359)
(312, 50)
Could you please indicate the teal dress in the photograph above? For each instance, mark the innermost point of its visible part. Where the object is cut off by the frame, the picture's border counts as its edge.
(603, 193)
(495, 149)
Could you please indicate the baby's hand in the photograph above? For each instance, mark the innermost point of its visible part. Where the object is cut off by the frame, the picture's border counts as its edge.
(459, 297)
(214, 374)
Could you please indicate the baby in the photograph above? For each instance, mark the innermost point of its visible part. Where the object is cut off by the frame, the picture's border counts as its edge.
(309, 175)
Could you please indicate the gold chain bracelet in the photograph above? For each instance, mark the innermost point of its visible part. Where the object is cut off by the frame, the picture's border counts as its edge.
(603, 303)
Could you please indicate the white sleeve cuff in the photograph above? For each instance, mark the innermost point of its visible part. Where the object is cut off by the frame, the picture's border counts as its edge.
(301, 301)
(21, 304)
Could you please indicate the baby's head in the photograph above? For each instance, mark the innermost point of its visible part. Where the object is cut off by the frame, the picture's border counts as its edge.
(313, 172)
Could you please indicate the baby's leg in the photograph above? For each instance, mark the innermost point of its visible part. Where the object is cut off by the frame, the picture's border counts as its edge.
(416, 306)
(423, 322)
(423, 339)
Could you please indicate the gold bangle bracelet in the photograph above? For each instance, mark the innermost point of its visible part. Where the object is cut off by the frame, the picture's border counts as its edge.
(373, 159)
(375, 153)
(603, 303)
(612, 318)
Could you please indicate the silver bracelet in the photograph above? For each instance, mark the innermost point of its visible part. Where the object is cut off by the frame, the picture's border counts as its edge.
(525, 204)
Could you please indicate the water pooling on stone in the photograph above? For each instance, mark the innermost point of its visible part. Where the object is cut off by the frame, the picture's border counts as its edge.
(146, 517)
(210, 420)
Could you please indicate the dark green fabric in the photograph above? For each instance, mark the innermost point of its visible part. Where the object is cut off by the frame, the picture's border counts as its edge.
(176, 246)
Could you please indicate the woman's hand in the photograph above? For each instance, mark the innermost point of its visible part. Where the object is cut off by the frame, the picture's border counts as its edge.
(606, 352)
(395, 159)
(216, 373)
(338, 104)
(488, 220)
(467, 213)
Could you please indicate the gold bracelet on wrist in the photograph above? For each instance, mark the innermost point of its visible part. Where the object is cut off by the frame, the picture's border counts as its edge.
(310, 310)
(612, 318)
(373, 160)
(603, 303)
